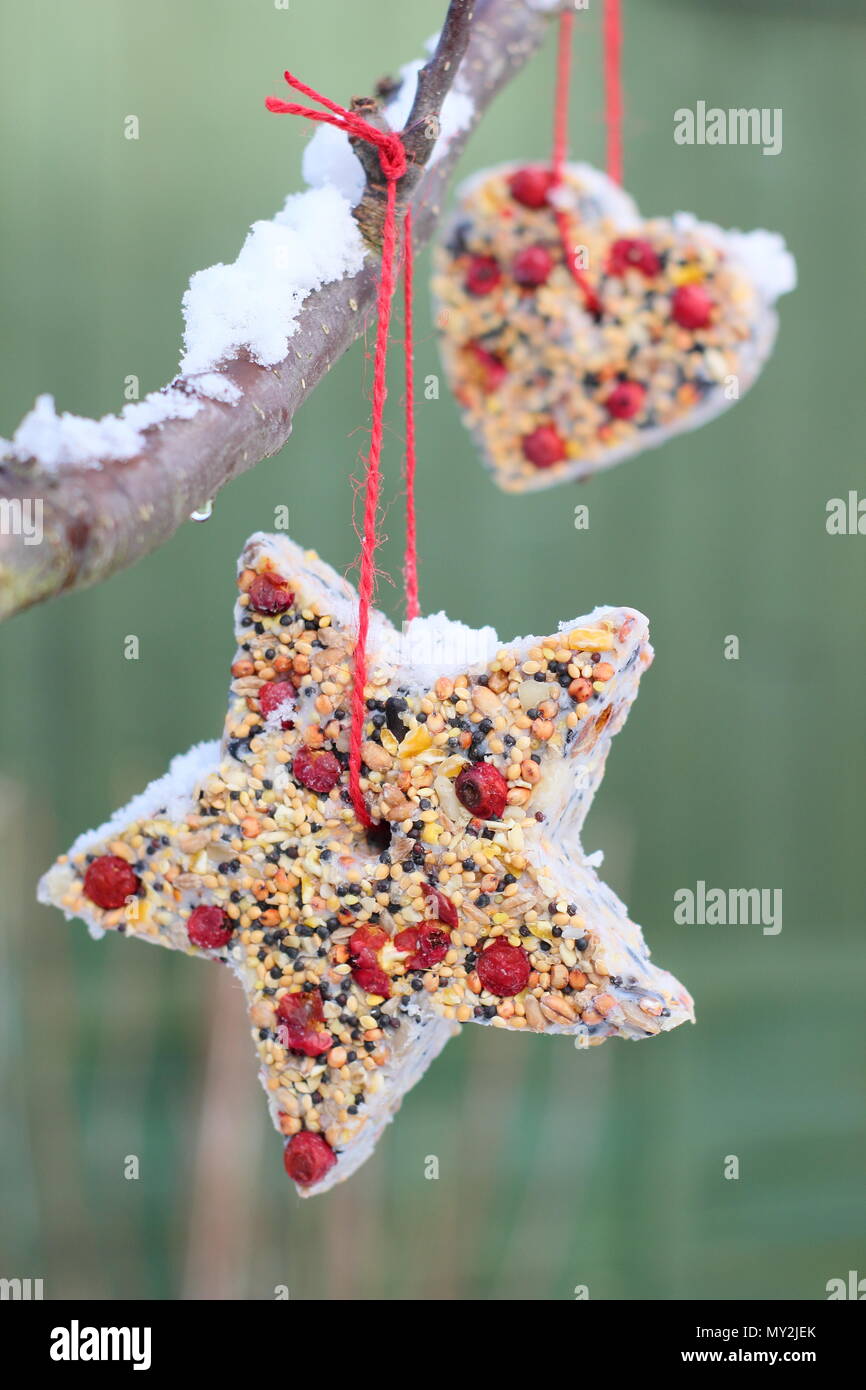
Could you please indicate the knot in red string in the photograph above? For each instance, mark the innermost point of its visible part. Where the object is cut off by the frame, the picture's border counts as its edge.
(392, 155)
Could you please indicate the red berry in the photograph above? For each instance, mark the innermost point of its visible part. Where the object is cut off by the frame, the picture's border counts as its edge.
(503, 970)
(631, 253)
(270, 593)
(316, 769)
(434, 943)
(531, 186)
(431, 947)
(482, 789)
(544, 447)
(273, 694)
(532, 266)
(308, 1157)
(491, 370)
(444, 908)
(626, 400)
(365, 943)
(372, 979)
(299, 1013)
(109, 881)
(691, 307)
(427, 945)
(209, 927)
(483, 274)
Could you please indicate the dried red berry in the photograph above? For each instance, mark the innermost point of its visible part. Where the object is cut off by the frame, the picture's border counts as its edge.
(691, 307)
(429, 944)
(109, 881)
(366, 942)
(532, 266)
(308, 1157)
(443, 907)
(491, 371)
(373, 979)
(364, 946)
(530, 186)
(270, 593)
(544, 447)
(626, 400)
(209, 927)
(503, 969)
(482, 789)
(316, 769)
(274, 694)
(299, 1014)
(483, 274)
(631, 253)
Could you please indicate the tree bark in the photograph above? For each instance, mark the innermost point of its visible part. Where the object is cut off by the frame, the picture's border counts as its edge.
(96, 521)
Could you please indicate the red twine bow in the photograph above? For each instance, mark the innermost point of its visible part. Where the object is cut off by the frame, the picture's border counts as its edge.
(392, 158)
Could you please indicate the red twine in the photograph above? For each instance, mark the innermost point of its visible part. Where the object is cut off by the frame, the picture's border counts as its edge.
(560, 154)
(612, 29)
(392, 157)
(410, 566)
(563, 82)
(613, 87)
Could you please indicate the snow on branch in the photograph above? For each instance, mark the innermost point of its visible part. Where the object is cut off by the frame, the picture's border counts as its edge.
(81, 499)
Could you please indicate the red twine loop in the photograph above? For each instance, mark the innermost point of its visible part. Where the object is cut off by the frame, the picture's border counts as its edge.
(612, 29)
(560, 154)
(392, 158)
(613, 103)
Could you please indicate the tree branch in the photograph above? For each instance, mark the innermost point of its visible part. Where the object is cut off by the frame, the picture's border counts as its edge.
(96, 521)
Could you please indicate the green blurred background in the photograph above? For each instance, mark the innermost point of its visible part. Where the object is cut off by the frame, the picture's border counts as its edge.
(557, 1168)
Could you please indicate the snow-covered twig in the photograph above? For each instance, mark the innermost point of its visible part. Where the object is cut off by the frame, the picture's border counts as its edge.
(260, 336)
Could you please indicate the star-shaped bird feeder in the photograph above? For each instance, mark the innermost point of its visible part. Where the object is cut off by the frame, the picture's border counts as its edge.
(361, 950)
